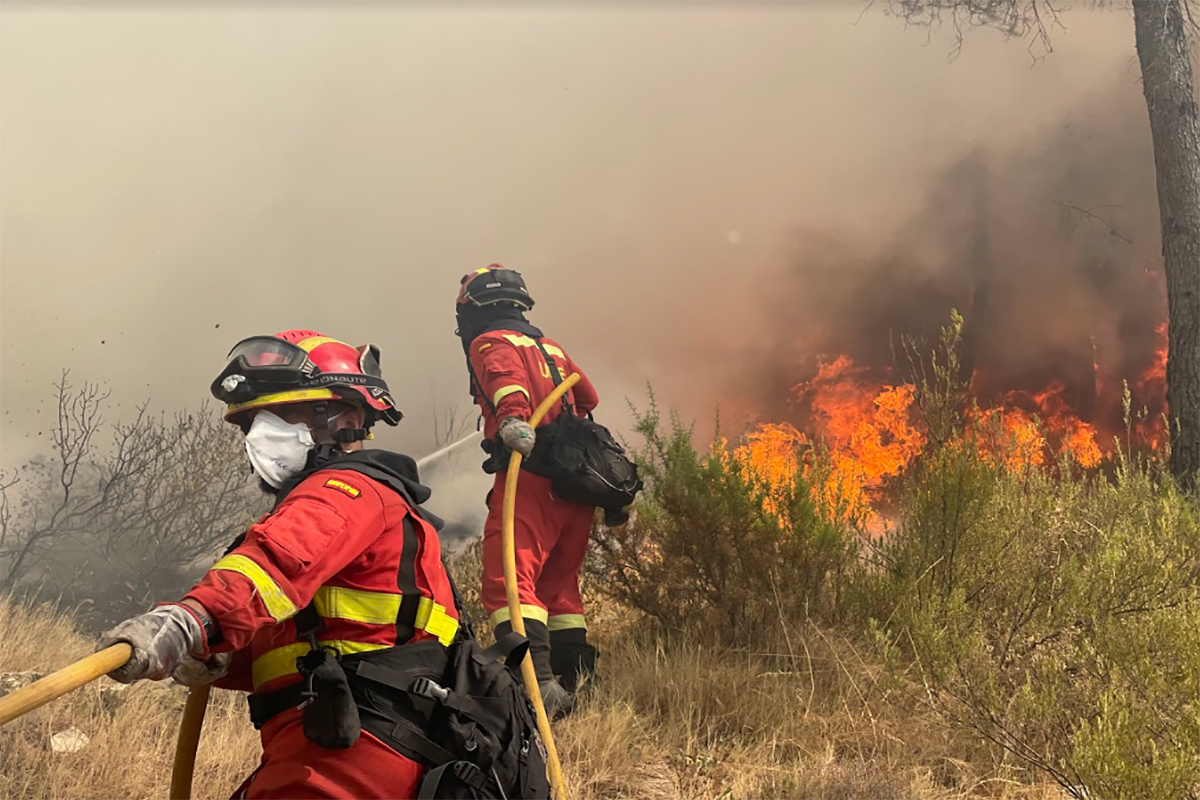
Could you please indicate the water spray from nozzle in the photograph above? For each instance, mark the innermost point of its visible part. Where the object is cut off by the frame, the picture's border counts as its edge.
(446, 450)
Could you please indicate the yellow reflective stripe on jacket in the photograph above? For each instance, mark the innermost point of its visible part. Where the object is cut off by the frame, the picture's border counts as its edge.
(282, 660)
(505, 391)
(521, 340)
(277, 603)
(382, 608)
(527, 612)
(562, 622)
(355, 605)
(376, 608)
(433, 619)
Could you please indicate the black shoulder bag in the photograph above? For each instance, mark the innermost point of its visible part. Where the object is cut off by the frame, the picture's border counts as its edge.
(583, 461)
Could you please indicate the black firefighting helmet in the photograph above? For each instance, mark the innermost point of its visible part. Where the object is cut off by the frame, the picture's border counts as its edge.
(494, 285)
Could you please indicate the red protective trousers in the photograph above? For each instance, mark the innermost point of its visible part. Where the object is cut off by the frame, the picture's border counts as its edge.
(551, 538)
(293, 768)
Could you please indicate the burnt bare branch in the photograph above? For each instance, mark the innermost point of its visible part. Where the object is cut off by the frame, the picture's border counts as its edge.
(127, 519)
(1092, 215)
(1034, 20)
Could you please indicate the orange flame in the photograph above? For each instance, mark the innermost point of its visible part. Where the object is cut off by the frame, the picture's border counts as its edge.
(871, 434)
(869, 430)
(1078, 437)
(1010, 437)
(771, 456)
(1153, 384)
(1157, 373)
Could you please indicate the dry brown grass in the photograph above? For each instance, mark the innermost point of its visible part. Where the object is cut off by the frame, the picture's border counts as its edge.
(132, 731)
(807, 717)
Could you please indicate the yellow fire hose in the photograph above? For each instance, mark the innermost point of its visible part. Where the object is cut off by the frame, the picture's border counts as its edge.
(188, 742)
(557, 783)
(67, 679)
(88, 669)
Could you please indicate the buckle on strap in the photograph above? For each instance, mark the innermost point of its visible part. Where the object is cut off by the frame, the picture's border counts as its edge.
(424, 687)
(469, 774)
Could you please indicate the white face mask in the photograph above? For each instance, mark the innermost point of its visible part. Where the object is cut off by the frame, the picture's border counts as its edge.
(278, 450)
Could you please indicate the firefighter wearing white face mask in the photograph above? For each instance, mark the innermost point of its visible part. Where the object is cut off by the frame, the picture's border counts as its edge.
(345, 543)
(278, 449)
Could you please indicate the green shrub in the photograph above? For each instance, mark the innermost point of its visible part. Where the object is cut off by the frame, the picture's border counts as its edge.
(1056, 614)
(714, 544)
(1051, 609)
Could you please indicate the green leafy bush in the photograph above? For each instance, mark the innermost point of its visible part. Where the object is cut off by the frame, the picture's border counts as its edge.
(1051, 609)
(1058, 617)
(715, 544)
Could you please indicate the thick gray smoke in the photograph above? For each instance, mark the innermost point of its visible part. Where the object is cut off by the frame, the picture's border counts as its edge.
(178, 176)
(1049, 246)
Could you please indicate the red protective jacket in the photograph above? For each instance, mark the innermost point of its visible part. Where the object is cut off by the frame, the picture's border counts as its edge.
(513, 378)
(355, 549)
(348, 544)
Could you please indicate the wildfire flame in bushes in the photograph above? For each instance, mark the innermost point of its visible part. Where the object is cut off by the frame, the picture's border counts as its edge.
(872, 433)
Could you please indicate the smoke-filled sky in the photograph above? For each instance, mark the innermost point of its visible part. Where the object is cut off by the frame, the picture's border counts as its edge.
(174, 177)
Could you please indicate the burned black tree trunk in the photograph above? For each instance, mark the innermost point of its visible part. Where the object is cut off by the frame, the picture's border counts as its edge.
(1171, 102)
(980, 257)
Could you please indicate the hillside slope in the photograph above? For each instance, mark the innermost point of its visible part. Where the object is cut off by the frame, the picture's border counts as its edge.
(678, 720)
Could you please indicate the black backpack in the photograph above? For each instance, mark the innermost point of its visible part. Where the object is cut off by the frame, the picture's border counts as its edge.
(583, 461)
(464, 713)
(490, 717)
(585, 464)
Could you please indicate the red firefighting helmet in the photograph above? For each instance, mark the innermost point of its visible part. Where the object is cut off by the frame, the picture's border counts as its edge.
(300, 366)
(494, 285)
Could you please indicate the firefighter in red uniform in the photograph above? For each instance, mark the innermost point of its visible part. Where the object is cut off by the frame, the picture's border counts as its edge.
(510, 365)
(345, 570)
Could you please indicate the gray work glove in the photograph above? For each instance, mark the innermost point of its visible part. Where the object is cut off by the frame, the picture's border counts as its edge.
(160, 639)
(193, 671)
(517, 435)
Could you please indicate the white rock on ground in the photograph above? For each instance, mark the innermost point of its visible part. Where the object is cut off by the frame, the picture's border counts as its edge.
(69, 741)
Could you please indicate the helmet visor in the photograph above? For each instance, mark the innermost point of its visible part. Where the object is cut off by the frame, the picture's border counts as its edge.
(270, 359)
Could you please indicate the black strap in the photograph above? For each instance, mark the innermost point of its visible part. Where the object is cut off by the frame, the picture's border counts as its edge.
(465, 629)
(265, 706)
(464, 771)
(406, 580)
(555, 376)
(407, 736)
(512, 647)
(308, 622)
